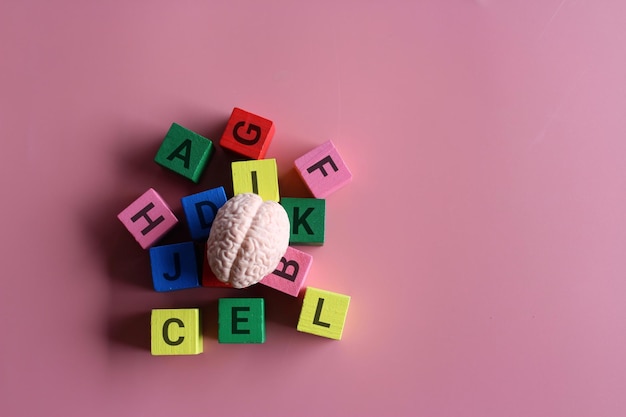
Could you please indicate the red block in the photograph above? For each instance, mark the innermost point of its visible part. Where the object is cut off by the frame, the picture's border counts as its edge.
(247, 134)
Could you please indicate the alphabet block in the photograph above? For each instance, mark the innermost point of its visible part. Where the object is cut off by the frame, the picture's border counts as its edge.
(323, 313)
(323, 170)
(209, 279)
(241, 320)
(307, 217)
(291, 272)
(176, 332)
(247, 134)
(258, 177)
(184, 152)
(174, 267)
(200, 210)
(148, 218)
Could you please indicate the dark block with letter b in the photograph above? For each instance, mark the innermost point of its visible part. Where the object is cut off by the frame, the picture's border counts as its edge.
(291, 272)
(241, 320)
(174, 267)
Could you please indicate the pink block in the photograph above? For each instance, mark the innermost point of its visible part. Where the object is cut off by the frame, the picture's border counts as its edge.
(148, 218)
(323, 170)
(291, 272)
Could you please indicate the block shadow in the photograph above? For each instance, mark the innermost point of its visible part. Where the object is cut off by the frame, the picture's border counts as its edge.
(131, 331)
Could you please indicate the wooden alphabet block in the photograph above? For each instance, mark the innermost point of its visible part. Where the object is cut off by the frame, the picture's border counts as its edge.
(323, 313)
(307, 217)
(200, 210)
(176, 332)
(323, 170)
(148, 218)
(184, 152)
(209, 279)
(241, 320)
(247, 134)
(174, 267)
(291, 272)
(258, 177)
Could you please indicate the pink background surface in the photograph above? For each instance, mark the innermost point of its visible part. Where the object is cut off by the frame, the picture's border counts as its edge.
(482, 239)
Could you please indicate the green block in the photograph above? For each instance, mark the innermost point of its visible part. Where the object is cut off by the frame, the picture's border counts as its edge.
(241, 320)
(184, 152)
(307, 217)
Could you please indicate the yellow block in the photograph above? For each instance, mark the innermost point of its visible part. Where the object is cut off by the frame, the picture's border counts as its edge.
(176, 331)
(258, 177)
(323, 313)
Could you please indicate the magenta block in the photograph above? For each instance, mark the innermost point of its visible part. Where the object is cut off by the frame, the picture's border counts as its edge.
(323, 170)
(290, 273)
(148, 218)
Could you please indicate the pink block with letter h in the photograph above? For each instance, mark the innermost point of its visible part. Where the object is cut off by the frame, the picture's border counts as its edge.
(290, 273)
(148, 218)
(323, 170)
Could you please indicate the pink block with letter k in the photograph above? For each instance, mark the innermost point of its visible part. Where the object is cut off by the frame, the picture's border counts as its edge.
(323, 170)
(148, 218)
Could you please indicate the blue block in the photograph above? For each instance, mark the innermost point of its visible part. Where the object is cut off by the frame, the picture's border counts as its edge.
(174, 267)
(200, 210)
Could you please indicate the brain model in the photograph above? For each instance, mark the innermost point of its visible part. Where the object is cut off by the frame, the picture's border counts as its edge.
(247, 240)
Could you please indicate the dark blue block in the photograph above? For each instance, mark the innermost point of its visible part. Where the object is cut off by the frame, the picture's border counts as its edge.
(200, 210)
(174, 267)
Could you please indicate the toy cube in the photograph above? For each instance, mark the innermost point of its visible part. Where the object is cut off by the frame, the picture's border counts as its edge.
(323, 313)
(209, 279)
(176, 332)
(291, 272)
(241, 320)
(200, 210)
(258, 177)
(174, 267)
(247, 134)
(307, 217)
(323, 170)
(148, 218)
(184, 152)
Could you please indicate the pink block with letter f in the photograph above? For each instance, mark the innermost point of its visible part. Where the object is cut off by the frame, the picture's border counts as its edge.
(323, 170)
(290, 273)
(148, 218)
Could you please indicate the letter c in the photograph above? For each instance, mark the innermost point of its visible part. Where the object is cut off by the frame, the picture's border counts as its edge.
(166, 336)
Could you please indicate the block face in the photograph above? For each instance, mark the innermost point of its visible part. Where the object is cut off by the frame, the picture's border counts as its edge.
(176, 332)
(323, 313)
(174, 267)
(241, 320)
(200, 210)
(323, 170)
(184, 152)
(148, 218)
(291, 273)
(258, 177)
(307, 217)
(247, 134)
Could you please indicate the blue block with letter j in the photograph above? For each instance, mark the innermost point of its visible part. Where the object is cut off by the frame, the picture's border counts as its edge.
(174, 267)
